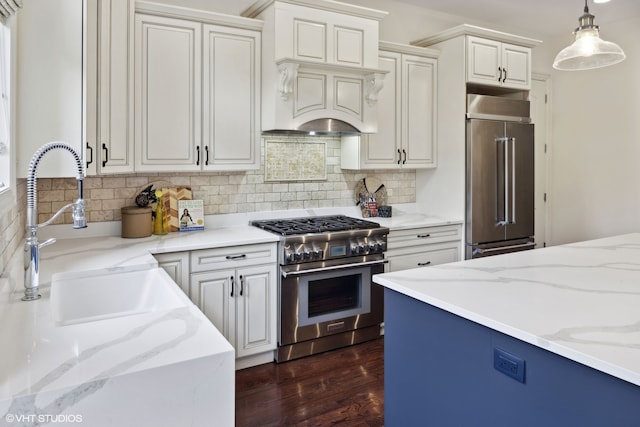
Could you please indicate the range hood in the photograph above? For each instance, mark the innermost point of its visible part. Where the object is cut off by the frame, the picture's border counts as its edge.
(324, 126)
(319, 66)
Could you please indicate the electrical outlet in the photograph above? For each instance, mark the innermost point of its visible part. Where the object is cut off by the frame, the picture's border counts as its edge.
(508, 364)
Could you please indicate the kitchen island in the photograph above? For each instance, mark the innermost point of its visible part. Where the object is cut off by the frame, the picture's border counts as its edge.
(545, 337)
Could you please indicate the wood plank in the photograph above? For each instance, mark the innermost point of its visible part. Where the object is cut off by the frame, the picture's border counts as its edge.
(342, 387)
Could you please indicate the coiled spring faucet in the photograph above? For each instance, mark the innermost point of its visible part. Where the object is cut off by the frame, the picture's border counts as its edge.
(31, 246)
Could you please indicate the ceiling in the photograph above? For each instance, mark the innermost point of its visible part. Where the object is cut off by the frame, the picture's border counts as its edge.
(544, 17)
(534, 17)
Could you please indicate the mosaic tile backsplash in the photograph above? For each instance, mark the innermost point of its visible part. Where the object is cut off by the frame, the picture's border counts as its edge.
(230, 192)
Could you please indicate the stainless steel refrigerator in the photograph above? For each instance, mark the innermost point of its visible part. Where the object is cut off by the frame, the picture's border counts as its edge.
(499, 176)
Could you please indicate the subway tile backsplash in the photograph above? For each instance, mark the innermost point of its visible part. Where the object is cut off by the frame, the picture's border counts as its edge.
(228, 192)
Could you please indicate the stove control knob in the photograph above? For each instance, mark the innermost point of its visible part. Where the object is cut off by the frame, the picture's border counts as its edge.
(360, 247)
(297, 256)
(313, 252)
(318, 253)
(288, 255)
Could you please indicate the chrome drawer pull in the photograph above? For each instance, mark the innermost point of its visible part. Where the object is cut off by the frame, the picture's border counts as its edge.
(423, 236)
(422, 264)
(232, 257)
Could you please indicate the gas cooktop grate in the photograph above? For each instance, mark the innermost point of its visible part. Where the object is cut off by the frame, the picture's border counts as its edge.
(314, 224)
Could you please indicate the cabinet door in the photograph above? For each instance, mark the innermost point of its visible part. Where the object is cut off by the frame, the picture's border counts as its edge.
(231, 98)
(325, 36)
(381, 149)
(483, 61)
(419, 78)
(176, 264)
(516, 62)
(256, 315)
(167, 94)
(50, 87)
(114, 150)
(215, 294)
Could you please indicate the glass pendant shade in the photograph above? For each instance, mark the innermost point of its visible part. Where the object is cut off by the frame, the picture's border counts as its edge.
(589, 50)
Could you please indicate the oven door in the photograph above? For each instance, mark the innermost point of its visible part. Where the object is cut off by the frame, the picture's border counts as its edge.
(327, 300)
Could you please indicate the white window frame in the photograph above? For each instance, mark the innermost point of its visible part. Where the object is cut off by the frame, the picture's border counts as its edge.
(7, 109)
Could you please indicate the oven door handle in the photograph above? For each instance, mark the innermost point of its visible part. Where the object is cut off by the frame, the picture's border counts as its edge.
(333, 267)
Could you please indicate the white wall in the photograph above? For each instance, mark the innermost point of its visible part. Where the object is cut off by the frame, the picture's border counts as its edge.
(595, 158)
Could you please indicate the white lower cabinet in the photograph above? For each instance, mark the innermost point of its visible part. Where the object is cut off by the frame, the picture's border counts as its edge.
(236, 288)
(424, 246)
(176, 264)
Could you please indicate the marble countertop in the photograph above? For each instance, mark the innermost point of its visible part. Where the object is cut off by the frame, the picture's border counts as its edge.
(407, 220)
(40, 358)
(580, 301)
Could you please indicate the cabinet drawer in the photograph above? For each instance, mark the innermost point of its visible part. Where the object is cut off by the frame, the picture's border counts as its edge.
(423, 236)
(232, 257)
(434, 255)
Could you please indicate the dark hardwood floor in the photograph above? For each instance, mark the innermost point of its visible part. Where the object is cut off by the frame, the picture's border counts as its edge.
(342, 387)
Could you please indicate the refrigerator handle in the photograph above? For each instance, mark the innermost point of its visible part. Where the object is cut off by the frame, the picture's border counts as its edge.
(513, 179)
(505, 142)
(502, 198)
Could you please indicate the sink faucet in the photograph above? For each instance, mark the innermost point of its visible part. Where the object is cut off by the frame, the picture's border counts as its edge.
(31, 246)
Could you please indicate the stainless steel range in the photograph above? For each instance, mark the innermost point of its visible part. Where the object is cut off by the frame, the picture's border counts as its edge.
(326, 297)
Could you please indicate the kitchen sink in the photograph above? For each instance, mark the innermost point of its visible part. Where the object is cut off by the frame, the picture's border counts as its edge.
(103, 294)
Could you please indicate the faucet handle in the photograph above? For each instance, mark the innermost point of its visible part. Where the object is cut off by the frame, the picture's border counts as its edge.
(47, 242)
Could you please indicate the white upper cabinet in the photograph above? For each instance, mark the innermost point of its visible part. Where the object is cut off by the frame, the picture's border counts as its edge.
(113, 150)
(197, 90)
(490, 58)
(498, 64)
(231, 98)
(324, 36)
(50, 84)
(167, 94)
(407, 121)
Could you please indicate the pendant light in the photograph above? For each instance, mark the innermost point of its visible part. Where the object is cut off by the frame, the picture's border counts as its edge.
(589, 50)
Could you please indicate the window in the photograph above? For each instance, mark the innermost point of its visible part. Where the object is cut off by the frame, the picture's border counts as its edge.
(5, 119)
(6, 156)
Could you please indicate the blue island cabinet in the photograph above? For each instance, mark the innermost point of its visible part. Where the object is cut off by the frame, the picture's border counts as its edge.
(443, 370)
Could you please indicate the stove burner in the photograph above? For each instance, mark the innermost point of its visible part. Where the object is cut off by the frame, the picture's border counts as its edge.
(314, 224)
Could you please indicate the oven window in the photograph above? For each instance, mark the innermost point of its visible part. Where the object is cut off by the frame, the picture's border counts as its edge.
(334, 295)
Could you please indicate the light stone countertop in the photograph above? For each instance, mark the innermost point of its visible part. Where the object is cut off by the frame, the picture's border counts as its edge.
(75, 369)
(114, 366)
(580, 301)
